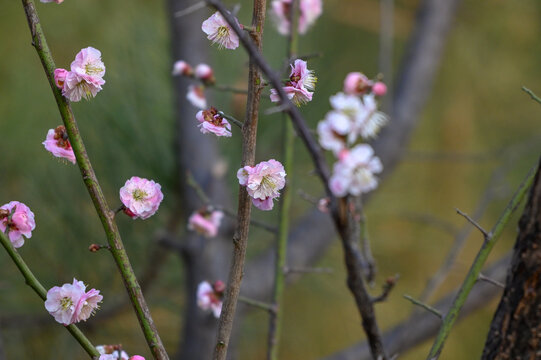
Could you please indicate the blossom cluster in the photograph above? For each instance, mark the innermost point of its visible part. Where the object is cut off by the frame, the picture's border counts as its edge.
(115, 352)
(300, 86)
(209, 297)
(71, 303)
(354, 116)
(309, 11)
(206, 222)
(263, 182)
(85, 78)
(203, 73)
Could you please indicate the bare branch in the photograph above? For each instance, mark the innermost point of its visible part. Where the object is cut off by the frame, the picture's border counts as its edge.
(474, 223)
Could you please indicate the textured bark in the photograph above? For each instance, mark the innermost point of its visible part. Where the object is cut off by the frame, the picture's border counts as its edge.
(515, 332)
(198, 154)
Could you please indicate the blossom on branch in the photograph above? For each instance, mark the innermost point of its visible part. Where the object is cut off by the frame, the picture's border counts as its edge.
(204, 73)
(309, 11)
(263, 182)
(141, 197)
(196, 96)
(218, 31)
(357, 83)
(205, 222)
(19, 219)
(71, 303)
(334, 131)
(85, 78)
(209, 297)
(354, 172)
(57, 143)
(113, 351)
(300, 85)
(181, 67)
(212, 122)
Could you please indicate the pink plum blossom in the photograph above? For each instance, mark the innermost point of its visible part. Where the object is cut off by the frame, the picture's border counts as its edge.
(301, 81)
(137, 357)
(108, 357)
(379, 89)
(205, 222)
(57, 143)
(212, 122)
(70, 303)
(60, 77)
(141, 197)
(182, 68)
(354, 172)
(112, 351)
(209, 297)
(86, 76)
(309, 11)
(56, 1)
(263, 182)
(218, 31)
(334, 131)
(196, 96)
(369, 120)
(357, 83)
(204, 73)
(19, 219)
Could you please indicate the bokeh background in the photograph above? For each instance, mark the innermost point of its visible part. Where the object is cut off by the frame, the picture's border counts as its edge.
(476, 121)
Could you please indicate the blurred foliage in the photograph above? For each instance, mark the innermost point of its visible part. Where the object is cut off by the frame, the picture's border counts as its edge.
(476, 111)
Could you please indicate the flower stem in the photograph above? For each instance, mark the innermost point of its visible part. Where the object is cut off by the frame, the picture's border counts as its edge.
(288, 135)
(490, 240)
(91, 182)
(34, 283)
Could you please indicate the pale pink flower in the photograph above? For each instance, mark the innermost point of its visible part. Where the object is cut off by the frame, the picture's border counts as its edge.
(86, 76)
(369, 120)
(56, 1)
(112, 351)
(309, 11)
(334, 131)
(62, 301)
(137, 357)
(60, 77)
(87, 304)
(141, 197)
(196, 96)
(212, 122)
(299, 96)
(19, 219)
(218, 31)
(263, 182)
(108, 357)
(182, 68)
(57, 143)
(209, 297)
(379, 89)
(354, 173)
(205, 222)
(357, 83)
(301, 81)
(204, 73)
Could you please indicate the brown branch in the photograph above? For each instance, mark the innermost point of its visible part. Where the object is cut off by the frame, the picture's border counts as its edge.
(249, 132)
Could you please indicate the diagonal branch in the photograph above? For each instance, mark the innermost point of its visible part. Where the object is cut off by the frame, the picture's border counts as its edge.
(91, 182)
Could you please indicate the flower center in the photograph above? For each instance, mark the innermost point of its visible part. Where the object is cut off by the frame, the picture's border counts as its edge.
(61, 137)
(223, 32)
(139, 194)
(93, 69)
(267, 185)
(66, 303)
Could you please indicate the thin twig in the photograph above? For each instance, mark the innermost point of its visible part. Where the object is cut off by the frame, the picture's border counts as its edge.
(532, 94)
(91, 182)
(482, 277)
(190, 9)
(33, 282)
(387, 288)
(302, 270)
(474, 223)
(478, 263)
(232, 119)
(424, 306)
(258, 304)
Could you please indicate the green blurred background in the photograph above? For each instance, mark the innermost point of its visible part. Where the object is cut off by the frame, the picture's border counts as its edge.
(477, 120)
